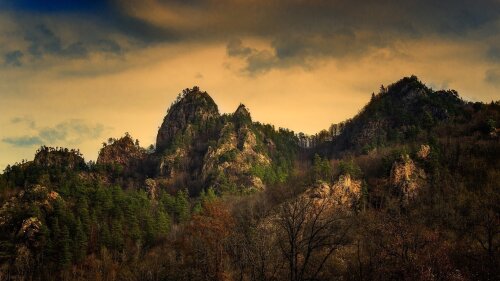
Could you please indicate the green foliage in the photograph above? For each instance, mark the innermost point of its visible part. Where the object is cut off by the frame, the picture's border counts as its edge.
(206, 197)
(228, 156)
(322, 169)
(349, 167)
(64, 247)
(177, 206)
(114, 231)
(80, 242)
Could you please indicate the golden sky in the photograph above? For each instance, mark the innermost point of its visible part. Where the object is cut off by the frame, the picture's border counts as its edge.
(73, 73)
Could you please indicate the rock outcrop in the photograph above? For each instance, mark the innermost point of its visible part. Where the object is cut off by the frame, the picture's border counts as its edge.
(407, 178)
(345, 193)
(424, 151)
(123, 152)
(26, 229)
(198, 144)
(233, 157)
(193, 107)
(59, 158)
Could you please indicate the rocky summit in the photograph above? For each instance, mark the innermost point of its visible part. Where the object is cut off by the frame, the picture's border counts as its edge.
(198, 147)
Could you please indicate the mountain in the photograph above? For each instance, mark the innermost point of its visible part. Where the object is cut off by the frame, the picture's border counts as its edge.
(193, 113)
(405, 190)
(396, 114)
(198, 148)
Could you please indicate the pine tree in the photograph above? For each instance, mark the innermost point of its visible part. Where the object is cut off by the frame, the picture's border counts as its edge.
(64, 248)
(53, 247)
(105, 236)
(163, 223)
(182, 205)
(117, 239)
(80, 244)
(83, 213)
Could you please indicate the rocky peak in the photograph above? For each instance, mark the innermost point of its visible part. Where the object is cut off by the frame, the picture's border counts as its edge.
(63, 158)
(242, 116)
(192, 107)
(242, 110)
(121, 151)
(398, 112)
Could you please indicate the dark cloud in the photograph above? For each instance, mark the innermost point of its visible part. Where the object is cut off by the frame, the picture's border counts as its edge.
(301, 31)
(109, 46)
(13, 58)
(73, 131)
(23, 141)
(257, 61)
(235, 48)
(43, 41)
(298, 31)
(55, 6)
(492, 77)
(494, 54)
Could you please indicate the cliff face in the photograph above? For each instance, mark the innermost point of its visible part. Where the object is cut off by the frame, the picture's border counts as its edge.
(407, 178)
(198, 146)
(344, 193)
(193, 107)
(230, 161)
(122, 152)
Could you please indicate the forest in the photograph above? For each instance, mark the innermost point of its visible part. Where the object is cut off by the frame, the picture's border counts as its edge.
(408, 189)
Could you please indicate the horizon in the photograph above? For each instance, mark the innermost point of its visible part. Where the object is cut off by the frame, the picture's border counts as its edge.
(74, 73)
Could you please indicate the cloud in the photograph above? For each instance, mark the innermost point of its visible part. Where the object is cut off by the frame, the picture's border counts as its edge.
(27, 120)
(23, 141)
(492, 76)
(74, 131)
(235, 48)
(257, 61)
(13, 58)
(494, 54)
(299, 33)
(43, 41)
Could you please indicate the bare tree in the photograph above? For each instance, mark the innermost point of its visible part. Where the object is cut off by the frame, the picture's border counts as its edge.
(311, 230)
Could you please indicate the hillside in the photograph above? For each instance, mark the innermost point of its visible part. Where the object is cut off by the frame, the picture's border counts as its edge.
(405, 190)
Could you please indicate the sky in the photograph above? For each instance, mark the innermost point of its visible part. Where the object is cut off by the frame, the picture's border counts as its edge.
(74, 73)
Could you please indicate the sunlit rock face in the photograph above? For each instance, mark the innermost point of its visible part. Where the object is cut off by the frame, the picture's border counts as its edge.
(344, 193)
(232, 158)
(407, 178)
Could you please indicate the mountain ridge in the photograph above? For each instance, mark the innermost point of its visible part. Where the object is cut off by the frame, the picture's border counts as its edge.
(223, 197)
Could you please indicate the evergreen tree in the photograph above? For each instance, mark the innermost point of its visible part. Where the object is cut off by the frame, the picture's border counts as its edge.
(53, 247)
(80, 243)
(182, 205)
(64, 248)
(163, 223)
(117, 239)
(83, 214)
(322, 170)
